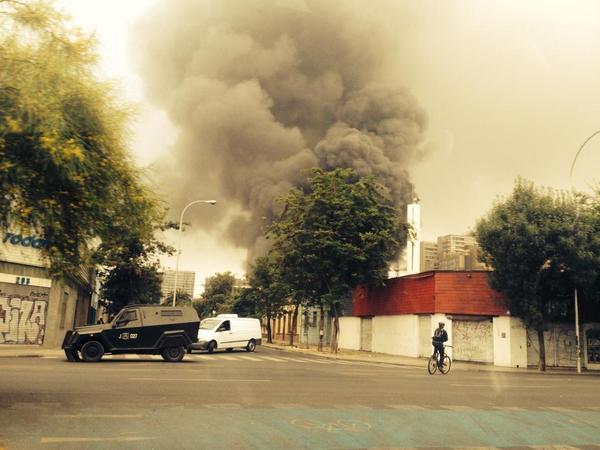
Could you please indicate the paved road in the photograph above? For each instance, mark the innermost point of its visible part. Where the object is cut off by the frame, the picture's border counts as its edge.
(275, 399)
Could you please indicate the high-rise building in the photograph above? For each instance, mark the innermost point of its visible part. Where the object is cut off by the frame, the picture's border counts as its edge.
(429, 256)
(185, 282)
(458, 252)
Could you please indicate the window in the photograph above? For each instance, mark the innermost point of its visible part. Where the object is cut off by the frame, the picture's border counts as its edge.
(126, 317)
(225, 326)
(171, 312)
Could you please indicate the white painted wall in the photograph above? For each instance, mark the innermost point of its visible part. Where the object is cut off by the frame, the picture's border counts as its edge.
(349, 337)
(396, 335)
(510, 342)
(425, 334)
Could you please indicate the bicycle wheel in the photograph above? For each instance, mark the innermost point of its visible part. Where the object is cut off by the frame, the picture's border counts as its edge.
(446, 365)
(432, 365)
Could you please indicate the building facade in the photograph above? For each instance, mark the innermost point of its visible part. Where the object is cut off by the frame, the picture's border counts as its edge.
(35, 308)
(185, 282)
(400, 317)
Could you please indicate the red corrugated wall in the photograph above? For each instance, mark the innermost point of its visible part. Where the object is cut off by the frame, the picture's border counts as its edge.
(431, 292)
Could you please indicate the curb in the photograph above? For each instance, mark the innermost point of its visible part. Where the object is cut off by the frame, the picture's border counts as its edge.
(474, 368)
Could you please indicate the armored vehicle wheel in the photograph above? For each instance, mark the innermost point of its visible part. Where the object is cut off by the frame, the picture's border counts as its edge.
(211, 346)
(251, 345)
(92, 351)
(72, 355)
(173, 354)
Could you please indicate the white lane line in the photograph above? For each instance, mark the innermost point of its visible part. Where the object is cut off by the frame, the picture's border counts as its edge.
(407, 407)
(99, 416)
(226, 380)
(134, 357)
(457, 407)
(505, 386)
(270, 358)
(296, 360)
(209, 357)
(228, 358)
(64, 440)
(49, 357)
(250, 358)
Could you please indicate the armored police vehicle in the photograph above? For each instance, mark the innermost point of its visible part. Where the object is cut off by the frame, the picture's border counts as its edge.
(142, 329)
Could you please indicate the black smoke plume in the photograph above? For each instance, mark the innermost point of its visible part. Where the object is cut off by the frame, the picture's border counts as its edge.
(263, 90)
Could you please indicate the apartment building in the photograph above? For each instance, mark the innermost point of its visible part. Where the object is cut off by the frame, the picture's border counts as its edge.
(185, 282)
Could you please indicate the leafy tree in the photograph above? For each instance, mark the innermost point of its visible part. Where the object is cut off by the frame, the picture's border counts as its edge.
(64, 169)
(339, 231)
(539, 245)
(182, 299)
(267, 291)
(218, 293)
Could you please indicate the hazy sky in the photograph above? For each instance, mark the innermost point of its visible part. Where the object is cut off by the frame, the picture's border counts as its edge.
(510, 88)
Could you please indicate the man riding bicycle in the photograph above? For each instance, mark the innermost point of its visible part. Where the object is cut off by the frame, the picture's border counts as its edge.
(439, 337)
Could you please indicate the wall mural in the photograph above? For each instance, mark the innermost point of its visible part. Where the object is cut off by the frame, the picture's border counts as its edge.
(473, 340)
(22, 314)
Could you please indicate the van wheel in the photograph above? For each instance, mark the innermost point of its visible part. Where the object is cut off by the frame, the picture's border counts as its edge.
(229, 349)
(173, 354)
(92, 351)
(251, 345)
(211, 346)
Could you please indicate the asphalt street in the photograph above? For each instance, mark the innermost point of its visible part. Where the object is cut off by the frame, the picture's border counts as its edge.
(275, 399)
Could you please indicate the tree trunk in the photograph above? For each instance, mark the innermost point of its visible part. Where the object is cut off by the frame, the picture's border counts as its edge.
(294, 324)
(321, 329)
(269, 337)
(336, 329)
(542, 347)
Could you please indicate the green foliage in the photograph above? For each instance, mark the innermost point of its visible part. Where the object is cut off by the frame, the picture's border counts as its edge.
(64, 169)
(219, 294)
(340, 231)
(541, 244)
(182, 299)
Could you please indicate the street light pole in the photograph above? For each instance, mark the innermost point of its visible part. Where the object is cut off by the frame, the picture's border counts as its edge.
(210, 202)
(575, 299)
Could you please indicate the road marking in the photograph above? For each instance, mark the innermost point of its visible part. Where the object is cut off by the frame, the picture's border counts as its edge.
(49, 357)
(236, 380)
(505, 386)
(270, 358)
(297, 360)
(407, 407)
(250, 358)
(64, 440)
(228, 358)
(209, 357)
(457, 407)
(99, 416)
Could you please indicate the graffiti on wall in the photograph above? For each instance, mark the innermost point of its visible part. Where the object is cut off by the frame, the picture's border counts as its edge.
(473, 340)
(23, 318)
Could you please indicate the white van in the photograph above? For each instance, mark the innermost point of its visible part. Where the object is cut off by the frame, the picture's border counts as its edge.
(228, 331)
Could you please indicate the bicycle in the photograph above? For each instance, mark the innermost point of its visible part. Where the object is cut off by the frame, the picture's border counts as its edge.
(433, 363)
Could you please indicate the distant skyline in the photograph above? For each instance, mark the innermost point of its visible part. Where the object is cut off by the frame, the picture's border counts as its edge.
(509, 88)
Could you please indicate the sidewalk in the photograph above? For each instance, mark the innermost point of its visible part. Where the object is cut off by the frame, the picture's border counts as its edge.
(27, 351)
(383, 358)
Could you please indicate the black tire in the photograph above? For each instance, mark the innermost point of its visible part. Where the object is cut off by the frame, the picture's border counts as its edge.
(229, 349)
(446, 365)
(72, 355)
(251, 345)
(173, 354)
(432, 365)
(212, 345)
(92, 351)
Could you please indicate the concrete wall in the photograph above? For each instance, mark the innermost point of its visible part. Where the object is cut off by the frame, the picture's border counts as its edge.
(425, 334)
(396, 335)
(473, 340)
(559, 341)
(349, 337)
(510, 342)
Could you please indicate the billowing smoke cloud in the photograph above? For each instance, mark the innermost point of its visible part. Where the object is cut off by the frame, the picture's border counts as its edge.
(263, 90)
